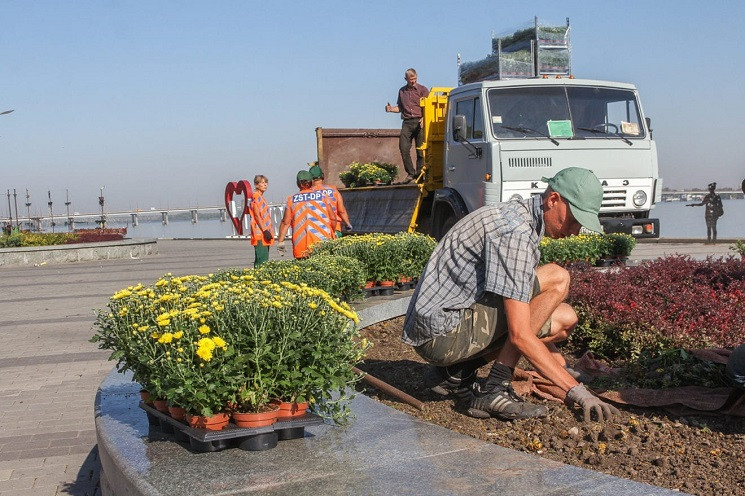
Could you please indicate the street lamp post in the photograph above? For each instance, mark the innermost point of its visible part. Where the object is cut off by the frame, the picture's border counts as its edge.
(51, 213)
(28, 208)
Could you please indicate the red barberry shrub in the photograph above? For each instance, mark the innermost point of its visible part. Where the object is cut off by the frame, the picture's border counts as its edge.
(96, 235)
(673, 301)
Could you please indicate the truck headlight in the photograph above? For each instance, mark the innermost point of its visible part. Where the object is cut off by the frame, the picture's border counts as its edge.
(640, 198)
(516, 197)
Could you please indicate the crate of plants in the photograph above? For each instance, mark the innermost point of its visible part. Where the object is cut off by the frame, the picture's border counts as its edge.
(368, 174)
(248, 435)
(209, 350)
(391, 262)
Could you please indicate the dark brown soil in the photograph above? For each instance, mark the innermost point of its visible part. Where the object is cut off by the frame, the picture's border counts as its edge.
(700, 455)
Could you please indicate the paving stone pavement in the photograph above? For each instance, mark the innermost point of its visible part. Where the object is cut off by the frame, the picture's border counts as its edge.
(50, 372)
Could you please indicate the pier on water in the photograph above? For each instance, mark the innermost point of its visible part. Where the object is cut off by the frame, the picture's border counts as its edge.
(65, 222)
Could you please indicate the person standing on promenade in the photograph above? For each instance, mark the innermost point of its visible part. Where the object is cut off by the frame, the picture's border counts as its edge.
(333, 196)
(714, 210)
(310, 216)
(411, 127)
(262, 230)
(482, 298)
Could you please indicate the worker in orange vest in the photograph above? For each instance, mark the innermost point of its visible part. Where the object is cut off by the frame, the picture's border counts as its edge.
(309, 214)
(333, 196)
(262, 230)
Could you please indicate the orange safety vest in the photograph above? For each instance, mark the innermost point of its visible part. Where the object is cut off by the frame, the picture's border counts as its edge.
(332, 196)
(263, 223)
(311, 221)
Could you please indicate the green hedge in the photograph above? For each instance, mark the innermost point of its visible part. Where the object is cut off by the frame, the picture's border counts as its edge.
(586, 247)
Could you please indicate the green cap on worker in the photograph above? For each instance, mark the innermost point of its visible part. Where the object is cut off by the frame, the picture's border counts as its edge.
(316, 172)
(584, 193)
(304, 175)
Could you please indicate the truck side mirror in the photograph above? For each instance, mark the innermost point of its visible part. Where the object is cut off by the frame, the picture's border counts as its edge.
(649, 125)
(459, 127)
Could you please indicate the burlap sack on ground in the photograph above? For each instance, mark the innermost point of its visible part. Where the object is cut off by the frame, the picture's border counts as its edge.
(686, 400)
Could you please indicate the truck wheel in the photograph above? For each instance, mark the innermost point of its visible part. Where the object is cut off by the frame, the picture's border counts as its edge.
(449, 222)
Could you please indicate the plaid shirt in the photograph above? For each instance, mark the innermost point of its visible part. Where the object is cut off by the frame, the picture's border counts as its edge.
(493, 249)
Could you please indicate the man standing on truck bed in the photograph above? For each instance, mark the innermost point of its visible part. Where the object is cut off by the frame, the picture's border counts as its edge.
(411, 127)
(482, 298)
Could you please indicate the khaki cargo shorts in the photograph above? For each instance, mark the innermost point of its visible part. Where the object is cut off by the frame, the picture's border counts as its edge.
(482, 330)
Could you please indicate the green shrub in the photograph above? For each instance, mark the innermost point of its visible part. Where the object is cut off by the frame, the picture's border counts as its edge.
(385, 257)
(18, 239)
(340, 276)
(586, 248)
(739, 247)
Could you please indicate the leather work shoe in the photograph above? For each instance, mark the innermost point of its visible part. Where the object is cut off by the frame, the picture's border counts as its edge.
(437, 380)
(503, 403)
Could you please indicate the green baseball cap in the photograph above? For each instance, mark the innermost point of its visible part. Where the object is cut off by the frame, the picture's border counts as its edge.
(304, 175)
(316, 172)
(581, 188)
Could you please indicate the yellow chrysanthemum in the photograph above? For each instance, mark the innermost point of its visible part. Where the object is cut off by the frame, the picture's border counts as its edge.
(167, 337)
(219, 341)
(204, 329)
(206, 343)
(205, 354)
(178, 334)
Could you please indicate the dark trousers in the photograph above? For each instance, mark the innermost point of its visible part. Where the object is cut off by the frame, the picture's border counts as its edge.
(411, 131)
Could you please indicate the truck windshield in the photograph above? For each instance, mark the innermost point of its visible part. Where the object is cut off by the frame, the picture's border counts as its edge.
(565, 112)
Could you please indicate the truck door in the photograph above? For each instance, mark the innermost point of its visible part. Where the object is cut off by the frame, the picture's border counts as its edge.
(464, 166)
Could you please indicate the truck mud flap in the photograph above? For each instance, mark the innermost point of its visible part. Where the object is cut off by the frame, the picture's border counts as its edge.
(384, 209)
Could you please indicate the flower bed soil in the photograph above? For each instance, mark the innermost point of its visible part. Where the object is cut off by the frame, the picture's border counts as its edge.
(699, 455)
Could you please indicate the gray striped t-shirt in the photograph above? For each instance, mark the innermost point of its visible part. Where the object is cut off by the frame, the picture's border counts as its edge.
(494, 249)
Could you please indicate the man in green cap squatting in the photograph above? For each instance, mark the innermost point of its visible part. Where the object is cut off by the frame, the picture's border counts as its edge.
(483, 298)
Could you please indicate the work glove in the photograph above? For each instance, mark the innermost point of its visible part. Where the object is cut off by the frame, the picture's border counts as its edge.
(349, 227)
(590, 403)
(268, 236)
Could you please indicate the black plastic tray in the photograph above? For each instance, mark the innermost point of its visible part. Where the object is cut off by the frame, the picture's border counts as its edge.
(232, 436)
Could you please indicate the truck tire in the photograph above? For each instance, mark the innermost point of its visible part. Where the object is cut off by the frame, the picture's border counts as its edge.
(445, 227)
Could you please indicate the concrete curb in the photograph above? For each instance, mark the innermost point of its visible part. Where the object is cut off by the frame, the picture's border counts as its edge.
(105, 250)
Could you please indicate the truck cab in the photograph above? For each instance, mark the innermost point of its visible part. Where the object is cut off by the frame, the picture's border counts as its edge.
(502, 137)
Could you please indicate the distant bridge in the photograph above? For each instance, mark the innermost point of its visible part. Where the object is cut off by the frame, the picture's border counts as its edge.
(133, 216)
(698, 194)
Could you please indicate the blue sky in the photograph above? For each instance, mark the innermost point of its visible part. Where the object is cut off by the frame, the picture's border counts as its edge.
(164, 102)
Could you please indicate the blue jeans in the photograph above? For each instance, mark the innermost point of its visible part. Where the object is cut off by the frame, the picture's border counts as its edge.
(736, 366)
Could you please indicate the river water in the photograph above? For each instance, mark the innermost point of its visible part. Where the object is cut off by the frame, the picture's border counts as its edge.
(676, 221)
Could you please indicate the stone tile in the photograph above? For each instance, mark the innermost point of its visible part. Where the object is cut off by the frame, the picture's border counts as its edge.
(9, 456)
(33, 444)
(32, 472)
(5, 474)
(43, 452)
(36, 491)
(82, 448)
(21, 464)
(16, 484)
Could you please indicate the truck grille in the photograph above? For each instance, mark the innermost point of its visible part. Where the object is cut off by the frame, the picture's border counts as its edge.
(614, 198)
(523, 162)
